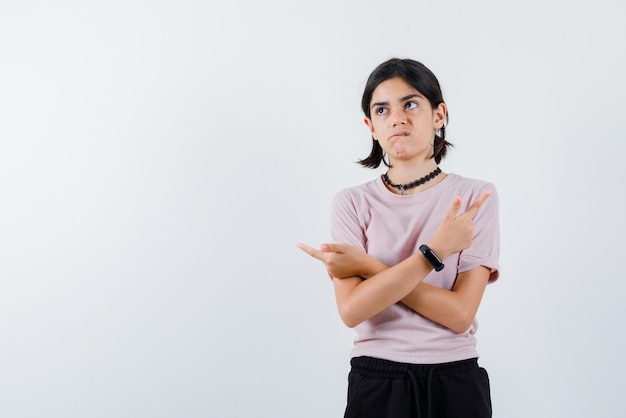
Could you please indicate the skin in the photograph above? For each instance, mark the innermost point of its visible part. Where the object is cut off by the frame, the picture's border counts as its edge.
(454, 309)
(404, 123)
(365, 287)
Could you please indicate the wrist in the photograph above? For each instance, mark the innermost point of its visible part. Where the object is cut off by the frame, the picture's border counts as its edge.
(439, 249)
(371, 267)
(432, 257)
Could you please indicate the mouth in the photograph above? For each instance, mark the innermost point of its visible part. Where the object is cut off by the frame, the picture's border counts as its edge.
(399, 134)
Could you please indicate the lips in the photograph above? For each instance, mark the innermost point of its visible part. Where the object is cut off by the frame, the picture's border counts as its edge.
(399, 134)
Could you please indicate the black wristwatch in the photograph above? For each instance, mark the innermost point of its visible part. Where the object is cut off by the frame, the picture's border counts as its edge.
(431, 257)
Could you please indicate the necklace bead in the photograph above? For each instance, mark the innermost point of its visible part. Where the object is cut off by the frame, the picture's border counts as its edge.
(403, 187)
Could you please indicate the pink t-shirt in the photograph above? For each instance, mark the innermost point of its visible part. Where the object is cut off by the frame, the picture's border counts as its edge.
(391, 227)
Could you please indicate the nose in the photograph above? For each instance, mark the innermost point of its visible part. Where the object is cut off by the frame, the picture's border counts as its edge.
(398, 117)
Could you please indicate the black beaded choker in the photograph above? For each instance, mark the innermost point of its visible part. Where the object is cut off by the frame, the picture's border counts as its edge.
(418, 182)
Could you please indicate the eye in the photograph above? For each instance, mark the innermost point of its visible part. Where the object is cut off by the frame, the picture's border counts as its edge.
(410, 105)
(381, 111)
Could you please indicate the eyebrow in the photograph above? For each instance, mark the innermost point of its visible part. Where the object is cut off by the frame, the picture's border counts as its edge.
(402, 99)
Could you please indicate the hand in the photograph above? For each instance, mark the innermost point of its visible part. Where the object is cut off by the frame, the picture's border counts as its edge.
(341, 260)
(455, 233)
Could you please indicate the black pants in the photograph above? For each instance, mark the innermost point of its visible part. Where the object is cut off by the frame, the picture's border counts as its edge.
(381, 388)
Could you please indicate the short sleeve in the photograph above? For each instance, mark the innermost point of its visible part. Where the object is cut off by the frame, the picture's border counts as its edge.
(345, 226)
(485, 249)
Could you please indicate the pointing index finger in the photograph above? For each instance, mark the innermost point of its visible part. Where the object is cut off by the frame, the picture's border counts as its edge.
(310, 251)
(473, 209)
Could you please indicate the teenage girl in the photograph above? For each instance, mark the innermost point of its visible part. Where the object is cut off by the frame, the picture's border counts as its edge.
(413, 252)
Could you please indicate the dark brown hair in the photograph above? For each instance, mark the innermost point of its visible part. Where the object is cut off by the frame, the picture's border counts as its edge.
(418, 76)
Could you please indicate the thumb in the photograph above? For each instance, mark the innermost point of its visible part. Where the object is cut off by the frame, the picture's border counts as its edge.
(333, 248)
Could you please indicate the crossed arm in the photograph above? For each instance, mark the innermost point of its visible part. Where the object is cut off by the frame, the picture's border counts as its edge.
(364, 286)
(454, 309)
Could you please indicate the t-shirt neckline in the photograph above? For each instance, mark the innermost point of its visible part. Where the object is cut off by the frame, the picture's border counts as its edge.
(412, 198)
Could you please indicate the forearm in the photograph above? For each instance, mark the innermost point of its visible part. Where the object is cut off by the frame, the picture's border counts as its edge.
(359, 300)
(442, 306)
(455, 308)
(437, 304)
(449, 308)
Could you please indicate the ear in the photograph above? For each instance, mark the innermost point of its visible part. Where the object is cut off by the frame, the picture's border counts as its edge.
(370, 126)
(439, 115)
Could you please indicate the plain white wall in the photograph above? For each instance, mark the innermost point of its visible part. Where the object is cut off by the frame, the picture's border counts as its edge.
(160, 160)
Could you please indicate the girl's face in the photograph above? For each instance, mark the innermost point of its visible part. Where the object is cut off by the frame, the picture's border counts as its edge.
(403, 121)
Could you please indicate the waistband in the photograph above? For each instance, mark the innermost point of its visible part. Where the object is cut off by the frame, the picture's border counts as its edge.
(380, 368)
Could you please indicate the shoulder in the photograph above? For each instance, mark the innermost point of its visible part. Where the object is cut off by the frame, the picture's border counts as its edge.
(356, 194)
(470, 186)
(469, 189)
(469, 182)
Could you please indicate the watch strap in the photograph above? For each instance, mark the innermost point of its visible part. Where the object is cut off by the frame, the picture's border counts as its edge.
(431, 257)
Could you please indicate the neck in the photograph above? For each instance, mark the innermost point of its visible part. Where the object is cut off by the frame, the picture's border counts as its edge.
(406, 173)
(413, 186)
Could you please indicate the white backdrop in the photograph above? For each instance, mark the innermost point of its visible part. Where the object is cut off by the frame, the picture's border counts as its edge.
(160, 160)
